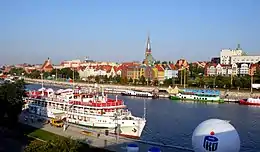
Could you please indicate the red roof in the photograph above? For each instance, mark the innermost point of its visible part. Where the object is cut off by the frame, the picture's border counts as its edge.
(159, 67)
(173, 67)
(49, 66)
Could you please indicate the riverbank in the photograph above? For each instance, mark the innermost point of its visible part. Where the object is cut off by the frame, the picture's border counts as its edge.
(232, 94)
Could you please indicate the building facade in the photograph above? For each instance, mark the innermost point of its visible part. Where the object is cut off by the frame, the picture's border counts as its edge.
(245, 59)
(226, 54)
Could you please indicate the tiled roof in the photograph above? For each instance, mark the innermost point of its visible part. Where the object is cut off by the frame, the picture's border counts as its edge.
(44, 64)
(48, 66)
(159, 67)
(173, 67)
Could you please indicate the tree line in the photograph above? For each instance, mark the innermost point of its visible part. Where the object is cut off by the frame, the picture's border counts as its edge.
(194, 76)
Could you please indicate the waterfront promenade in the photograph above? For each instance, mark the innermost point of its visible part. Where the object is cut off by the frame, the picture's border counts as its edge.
(103, 141)
(231, 94)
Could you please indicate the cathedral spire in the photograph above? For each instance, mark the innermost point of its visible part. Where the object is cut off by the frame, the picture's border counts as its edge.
(148, 44)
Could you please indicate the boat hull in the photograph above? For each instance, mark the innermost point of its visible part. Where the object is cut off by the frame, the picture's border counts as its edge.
(199, 100)
(244, 102)
(128, 128)
(126, 94)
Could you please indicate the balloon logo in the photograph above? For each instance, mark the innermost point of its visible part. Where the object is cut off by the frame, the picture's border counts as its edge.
(215, 135)
(210, 143)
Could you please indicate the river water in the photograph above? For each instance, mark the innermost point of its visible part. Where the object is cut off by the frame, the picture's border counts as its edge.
(173, 122)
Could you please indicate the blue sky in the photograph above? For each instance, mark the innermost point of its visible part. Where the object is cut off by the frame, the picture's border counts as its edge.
(116, 30)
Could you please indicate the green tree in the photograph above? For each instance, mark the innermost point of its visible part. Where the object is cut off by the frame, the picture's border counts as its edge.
(157, 62)
(123, 80)
(164, 62)
(237, 82)
(97, 79)
(117, 79)
(142, 80)
(257, 74)
(130, 80)
(57, 145)
(155, 82)
(167, 82)
(17, 71)
(11, 99)
(35, 74)
(68, 73)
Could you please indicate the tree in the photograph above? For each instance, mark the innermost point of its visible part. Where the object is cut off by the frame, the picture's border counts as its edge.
(167, 82)
(35, 74)
(97, 79)
(68, 73)
(61, 145)
(17, 71)
(155, 82)
(237, 82)
(142, 80)
(157, 62)
(130, 80)
(123, 80)
(11, 99)
(58, 145)
(257, 74)
(164, 62)
(117, 79)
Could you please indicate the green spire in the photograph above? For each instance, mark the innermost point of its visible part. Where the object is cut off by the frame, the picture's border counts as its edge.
(238, 47)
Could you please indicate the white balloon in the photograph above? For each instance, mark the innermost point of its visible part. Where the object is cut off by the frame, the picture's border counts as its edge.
(215, 135)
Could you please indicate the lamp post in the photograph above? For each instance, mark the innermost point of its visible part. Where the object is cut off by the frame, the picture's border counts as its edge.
(56, 74)
(184, 78)
(252, 81)
(42, 82)
(214, 82)
(73, 78)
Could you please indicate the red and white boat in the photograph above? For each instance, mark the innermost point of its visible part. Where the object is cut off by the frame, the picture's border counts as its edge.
(86, 108)
(250, 101)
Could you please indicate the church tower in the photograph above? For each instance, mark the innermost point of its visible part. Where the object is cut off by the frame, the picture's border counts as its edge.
(149, 60)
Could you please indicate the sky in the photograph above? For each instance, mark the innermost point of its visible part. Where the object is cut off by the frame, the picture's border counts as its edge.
(116, 30)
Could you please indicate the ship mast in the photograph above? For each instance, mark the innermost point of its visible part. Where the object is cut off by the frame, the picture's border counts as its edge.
(144, 109)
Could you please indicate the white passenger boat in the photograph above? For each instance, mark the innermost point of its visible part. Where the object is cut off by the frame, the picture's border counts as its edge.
(87, 109)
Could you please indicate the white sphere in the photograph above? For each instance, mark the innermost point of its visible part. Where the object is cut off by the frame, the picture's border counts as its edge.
(215, 135)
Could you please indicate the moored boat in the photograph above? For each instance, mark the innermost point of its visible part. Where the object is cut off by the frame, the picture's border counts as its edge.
(138, 94)
(198, 95)
(250, 101)
(86, 109)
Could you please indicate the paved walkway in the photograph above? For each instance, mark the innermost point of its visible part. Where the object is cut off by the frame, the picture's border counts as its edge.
(108, 142)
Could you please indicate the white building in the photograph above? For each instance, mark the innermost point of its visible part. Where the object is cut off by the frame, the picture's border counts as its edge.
(243, 68)
(168, 73)
(244, 59)
(71, 64)
(226, 54)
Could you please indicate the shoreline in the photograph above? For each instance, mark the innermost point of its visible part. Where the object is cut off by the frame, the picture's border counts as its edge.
(231, 94)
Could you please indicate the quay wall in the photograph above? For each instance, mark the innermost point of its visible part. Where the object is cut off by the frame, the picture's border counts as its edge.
(231, 94)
